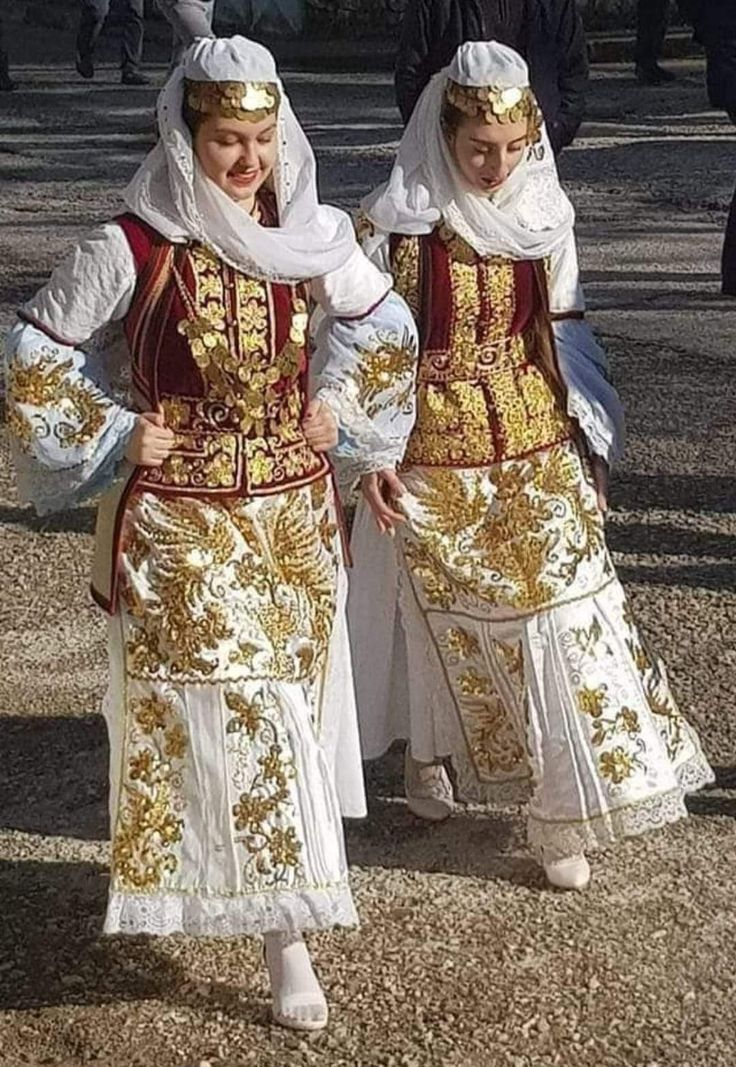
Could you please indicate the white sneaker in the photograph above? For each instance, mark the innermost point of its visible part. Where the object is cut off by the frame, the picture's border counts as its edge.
(572, 872)
(428, 789)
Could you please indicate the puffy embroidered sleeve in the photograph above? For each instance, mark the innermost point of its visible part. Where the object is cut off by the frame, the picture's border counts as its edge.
(364, 369)
(68, 431)
(592, 398)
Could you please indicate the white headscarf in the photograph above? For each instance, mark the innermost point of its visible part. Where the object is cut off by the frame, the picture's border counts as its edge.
(171, 192)
(528, 218)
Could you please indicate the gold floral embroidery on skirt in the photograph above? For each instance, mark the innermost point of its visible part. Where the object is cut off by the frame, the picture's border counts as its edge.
(494, 736)
(514, 536)
(149, 823)
(669, 720)
(263, 813)
(235, 589)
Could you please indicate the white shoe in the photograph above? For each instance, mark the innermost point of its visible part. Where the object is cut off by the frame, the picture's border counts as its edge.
(428, 789)
(572, 872)
(298, 1000)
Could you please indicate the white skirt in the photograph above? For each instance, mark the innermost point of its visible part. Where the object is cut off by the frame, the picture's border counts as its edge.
(511, 651)
(229, 711)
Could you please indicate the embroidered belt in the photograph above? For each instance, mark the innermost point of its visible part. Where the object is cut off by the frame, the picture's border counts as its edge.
(495, 414)
(478, 362)
(216, 463)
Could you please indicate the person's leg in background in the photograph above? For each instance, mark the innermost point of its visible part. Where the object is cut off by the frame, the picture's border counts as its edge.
(132, 43)
(91, 20)
(651, 28)
(6, 82)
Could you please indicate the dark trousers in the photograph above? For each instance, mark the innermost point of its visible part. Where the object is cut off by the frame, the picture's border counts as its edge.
(4, 72)
(728, 259)
(651, 26)
(94, 13)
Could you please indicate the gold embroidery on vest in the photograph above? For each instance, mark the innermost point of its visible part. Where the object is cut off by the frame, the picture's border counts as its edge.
(482, 400)
(246, 433)
(405, 270)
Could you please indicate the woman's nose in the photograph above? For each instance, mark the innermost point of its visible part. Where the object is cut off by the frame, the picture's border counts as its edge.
(249, 157)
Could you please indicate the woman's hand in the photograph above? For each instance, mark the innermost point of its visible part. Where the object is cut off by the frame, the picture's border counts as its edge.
(320, 426)
(381, 490)
(601, 479)
(151, 441)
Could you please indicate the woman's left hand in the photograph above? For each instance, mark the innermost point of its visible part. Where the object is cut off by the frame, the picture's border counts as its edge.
(319, 426)
(601, 480)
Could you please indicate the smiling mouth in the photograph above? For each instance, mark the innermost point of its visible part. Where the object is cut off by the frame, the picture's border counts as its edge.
(241, 178)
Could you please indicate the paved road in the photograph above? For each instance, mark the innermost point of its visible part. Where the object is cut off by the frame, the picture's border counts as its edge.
(464, 959)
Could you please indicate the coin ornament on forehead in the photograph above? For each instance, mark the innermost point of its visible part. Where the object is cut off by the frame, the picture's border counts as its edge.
(492, 104)
(246, 101)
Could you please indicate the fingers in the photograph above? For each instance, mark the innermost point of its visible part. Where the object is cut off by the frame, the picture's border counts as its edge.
(374, 491)
(314, 407)
(392, 483)
(154, 428)
(155, 418)
(152, 441)
(601, 480)
(321, 442)
(319, 427)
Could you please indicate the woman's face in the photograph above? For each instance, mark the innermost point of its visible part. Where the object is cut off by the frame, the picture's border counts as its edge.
(237, 156)
(486, 153)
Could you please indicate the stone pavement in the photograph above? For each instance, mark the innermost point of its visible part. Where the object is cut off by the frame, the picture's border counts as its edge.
(464, 959)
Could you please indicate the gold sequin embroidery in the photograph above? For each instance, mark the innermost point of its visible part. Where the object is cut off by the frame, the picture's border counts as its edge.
(245, 435)
(48, 384)
(264, 805)
(482, 399)
(385, 367)
(405, 270)
(214, 591)
(149, 825)
(518, 542)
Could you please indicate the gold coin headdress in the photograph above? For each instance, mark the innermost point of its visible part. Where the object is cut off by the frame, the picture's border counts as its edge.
(246, 101)
(497, 105)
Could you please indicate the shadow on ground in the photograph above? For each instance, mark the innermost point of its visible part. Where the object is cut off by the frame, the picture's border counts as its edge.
(53, 953)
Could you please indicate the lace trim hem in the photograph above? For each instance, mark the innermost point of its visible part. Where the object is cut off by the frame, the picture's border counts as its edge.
(198, 916)
(651, 813)
(561, 839)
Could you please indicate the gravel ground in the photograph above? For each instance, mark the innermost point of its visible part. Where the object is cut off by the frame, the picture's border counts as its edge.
(464, 958)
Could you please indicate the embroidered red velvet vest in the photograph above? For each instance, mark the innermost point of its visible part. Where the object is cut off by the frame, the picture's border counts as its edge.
(484, 391)
(224, 356)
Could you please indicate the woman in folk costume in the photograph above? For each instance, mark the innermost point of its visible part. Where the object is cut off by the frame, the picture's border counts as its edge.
(232, 729)
(494, 630)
